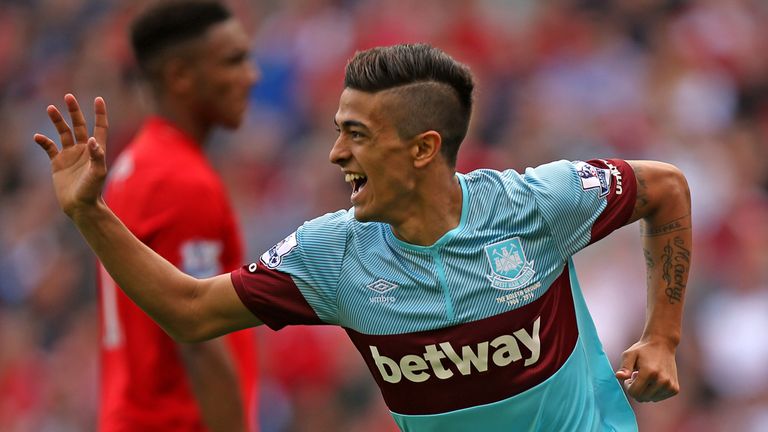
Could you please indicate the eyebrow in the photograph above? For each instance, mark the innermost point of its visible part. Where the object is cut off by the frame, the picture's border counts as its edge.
(346, 124)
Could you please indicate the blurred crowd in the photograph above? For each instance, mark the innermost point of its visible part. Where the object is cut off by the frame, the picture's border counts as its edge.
(679, 81)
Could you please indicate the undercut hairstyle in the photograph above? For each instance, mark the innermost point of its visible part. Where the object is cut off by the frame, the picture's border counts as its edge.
(433, 91)
(168, 24)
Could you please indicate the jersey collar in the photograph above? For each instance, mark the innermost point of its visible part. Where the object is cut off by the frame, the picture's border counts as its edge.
(445, 238)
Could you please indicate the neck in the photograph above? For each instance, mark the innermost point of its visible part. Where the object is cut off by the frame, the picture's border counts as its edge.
(433, 214)
(182, 117)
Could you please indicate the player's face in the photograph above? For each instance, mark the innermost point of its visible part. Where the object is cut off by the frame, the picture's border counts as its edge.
(224, 74)
(376, 162)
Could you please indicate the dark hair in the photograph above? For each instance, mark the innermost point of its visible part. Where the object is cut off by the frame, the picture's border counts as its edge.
(169, 23)
(435, 90)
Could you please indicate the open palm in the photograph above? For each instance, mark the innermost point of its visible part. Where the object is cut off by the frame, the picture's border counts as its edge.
(78, 167)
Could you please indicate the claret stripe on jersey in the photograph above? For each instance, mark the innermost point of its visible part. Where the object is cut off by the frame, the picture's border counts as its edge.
(278, 303)
(457, 367)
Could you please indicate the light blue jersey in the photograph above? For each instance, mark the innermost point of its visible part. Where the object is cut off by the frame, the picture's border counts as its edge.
(485, 330)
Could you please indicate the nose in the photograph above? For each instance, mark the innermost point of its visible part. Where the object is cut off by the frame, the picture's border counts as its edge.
(253, 73)
(339, 152)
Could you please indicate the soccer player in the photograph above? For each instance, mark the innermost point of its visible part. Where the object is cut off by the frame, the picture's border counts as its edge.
(457, 289)
(195, 58)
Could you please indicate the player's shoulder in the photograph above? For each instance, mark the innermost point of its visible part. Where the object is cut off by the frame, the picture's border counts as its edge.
(160, 145)
(486, 181)
(141, 183)
(556, 168)
(341, 227)
(494, 178)
(338, 222)
(567, 175)
(181, 168)
(513, 187)
(553, 176)
(488, 184)
(325, 237)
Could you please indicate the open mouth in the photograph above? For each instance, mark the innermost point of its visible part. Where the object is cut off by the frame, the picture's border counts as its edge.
(357, 181)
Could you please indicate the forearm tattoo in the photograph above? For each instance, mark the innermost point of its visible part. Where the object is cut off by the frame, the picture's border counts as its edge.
(676, 260)
(648, 262)
(670, 227)
(648, 258)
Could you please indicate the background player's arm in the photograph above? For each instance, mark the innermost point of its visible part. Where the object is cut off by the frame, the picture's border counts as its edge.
(188, 309)
(663, 205)
(213, 378)
(196, 245)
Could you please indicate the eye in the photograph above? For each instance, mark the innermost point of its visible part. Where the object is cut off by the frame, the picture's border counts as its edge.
(237, 58)
(356, 135)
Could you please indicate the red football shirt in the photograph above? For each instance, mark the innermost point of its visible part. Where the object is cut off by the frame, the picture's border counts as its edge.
(164, 190)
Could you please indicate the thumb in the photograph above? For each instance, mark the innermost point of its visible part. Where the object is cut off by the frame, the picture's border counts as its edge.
(627, 365)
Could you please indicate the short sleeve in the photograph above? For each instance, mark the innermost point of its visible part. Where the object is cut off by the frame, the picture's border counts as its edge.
(583, 202)
(300, 271)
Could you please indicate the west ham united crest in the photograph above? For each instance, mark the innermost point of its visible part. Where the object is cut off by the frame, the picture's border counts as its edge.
(510, 269)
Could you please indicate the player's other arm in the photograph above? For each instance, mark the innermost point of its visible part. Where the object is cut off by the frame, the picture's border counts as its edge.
(213, 379)
(663, 206)
(188, 309)
(195, 246)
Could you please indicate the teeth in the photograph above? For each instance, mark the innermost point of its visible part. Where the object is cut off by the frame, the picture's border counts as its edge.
(349, 178)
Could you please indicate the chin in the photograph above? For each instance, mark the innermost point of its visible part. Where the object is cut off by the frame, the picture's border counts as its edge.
(361, 216)
(232, 123)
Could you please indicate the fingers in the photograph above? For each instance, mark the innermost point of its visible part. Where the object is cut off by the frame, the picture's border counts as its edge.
(653, 388)
(631, 379)
(78, 119)
(101, 125)
(628, 360)
(47, 144)
(79, 131)
(65, 134)
(638, 388)
(662, 393)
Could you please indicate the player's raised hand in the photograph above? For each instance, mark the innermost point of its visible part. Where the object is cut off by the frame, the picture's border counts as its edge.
(79, 166)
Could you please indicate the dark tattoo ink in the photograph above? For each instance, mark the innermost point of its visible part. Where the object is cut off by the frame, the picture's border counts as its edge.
(670, 227)
(648, 263)
(648, 258)
(676, 260)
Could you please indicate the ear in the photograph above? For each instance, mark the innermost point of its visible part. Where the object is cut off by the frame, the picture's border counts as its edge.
(425, 148)
(178, 75)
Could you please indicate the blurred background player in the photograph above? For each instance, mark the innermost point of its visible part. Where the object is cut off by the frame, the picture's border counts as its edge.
(194, 55)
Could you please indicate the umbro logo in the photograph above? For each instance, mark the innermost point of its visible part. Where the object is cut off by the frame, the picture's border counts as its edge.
(382, 286)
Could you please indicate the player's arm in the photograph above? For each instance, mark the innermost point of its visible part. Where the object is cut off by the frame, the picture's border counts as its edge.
(213, 379)
(188, 309)
(663, 206)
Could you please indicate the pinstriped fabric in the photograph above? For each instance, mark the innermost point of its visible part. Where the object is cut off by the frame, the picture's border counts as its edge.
(553, 187)
(358, 275)
(315, 267)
